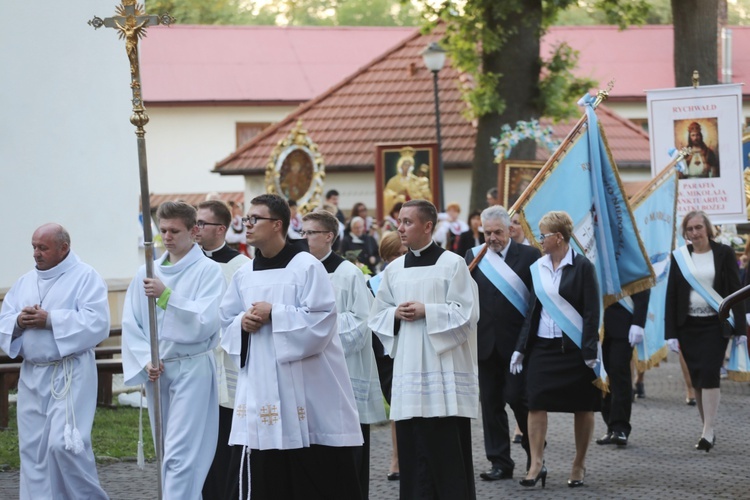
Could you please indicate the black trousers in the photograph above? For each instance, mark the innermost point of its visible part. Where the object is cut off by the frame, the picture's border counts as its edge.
(314, 473)
(223, 477)
(362, 461)
(618, 402)
(496, 388)
(434, 457)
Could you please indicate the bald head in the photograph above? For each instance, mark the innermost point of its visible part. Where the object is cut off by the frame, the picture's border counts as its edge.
(51, 244)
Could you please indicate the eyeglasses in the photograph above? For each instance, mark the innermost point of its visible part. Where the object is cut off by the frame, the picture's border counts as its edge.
(545, 236)
(253, 219)
(201, 224)
(308, 233)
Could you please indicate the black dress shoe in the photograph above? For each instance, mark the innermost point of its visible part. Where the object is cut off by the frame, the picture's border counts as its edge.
(705, 444)
(690, 401)
(619, 438)
(517, 439)
(605, 439)
(529, 483)
(640, 392)
(394, 476)
(576, 483)
(496, 474)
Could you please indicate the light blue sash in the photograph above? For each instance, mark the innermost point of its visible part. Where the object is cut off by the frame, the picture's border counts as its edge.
(563, 314)
(375, 282)
(627, 303)
(687, 267)
(504, 279)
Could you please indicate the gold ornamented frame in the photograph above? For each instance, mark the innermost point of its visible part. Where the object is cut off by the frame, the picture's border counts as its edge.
(296, 170)
(515, 176)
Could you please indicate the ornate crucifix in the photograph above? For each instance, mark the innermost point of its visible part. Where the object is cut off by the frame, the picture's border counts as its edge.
(131, 22)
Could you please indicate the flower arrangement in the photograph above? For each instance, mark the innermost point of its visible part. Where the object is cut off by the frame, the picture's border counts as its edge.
(531, 129)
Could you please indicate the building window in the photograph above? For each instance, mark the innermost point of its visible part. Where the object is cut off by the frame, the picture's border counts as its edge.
(246, 131)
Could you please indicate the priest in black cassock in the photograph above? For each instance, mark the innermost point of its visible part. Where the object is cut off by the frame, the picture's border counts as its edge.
(425, 314)
(504, 280)
(214, 218)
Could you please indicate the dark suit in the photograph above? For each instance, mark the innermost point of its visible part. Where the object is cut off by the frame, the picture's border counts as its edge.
(617, 353)
(497, 332)
(726, 281)
(579, 287)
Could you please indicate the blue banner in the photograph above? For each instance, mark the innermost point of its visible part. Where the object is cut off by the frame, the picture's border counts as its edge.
(584, 182)
(655, 210)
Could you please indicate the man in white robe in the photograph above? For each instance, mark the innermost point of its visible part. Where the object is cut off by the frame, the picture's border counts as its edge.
(425, 313)
(222, 481)
(53, 317)
(189, 287)
(294, 409)
(353, 302)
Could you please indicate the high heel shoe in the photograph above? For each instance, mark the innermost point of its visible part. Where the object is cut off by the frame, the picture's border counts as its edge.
(705, 445)
(575, 483)
(532, 482)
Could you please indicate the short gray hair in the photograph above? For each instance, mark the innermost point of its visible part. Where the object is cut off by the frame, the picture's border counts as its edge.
(496, 212)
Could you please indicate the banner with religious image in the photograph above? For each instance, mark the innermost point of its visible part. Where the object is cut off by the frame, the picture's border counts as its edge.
(708, 121)
(654, 208)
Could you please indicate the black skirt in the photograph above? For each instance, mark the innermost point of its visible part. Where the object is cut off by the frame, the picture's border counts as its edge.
(703, 348)
(558, 380)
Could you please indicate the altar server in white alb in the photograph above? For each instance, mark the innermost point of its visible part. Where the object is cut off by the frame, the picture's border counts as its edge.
(426, 313)
(54, 316)
(353, 302)
(188, 287)
(294, 408)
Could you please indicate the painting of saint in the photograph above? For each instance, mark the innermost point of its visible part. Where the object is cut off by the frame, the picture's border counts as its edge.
(701, 137)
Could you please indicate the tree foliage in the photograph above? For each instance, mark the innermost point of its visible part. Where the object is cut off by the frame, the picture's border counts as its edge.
(202, 11)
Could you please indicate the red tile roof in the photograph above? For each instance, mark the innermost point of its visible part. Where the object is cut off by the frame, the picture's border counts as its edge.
(638, 58)
(392, 100)
(194, 198)
(203, 64)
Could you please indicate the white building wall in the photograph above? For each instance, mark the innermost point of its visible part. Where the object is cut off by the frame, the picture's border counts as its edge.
(67, 148)
(184, 144)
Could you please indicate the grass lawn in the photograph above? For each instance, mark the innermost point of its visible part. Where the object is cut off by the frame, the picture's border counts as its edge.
(115, 435)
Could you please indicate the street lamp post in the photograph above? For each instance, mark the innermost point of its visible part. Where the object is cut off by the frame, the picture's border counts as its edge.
(434, 59)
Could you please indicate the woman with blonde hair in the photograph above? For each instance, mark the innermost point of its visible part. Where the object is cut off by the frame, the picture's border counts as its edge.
(559, 341)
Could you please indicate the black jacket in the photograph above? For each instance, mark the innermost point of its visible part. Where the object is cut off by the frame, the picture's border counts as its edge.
(579, 286)
(499, 320)
(726, 281)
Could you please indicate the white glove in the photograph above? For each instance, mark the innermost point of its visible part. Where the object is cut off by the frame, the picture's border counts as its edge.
(516, 363)
(742, 339)
(674, 345)
(591, 363)
(635, 336)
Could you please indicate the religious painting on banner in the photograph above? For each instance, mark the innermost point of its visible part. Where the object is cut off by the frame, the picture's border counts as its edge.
(655, 208)
(296, 170)
(517, 177)
(403, 172)
(708, 122)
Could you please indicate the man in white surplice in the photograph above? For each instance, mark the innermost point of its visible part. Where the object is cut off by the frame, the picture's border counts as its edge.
(54, 316)
(294, 407)
(425, 313)
(188, 287)
(353, 302)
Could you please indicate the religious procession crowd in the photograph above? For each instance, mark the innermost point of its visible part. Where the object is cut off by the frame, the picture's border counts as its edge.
(273, 368)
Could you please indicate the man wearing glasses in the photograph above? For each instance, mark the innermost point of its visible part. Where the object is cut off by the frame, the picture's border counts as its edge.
(294, 407)
(353, 301)
(222, 481)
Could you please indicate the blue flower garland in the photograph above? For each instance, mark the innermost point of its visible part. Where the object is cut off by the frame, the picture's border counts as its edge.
(509, 138)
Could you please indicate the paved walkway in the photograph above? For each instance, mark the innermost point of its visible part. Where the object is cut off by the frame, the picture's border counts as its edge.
(660, 461)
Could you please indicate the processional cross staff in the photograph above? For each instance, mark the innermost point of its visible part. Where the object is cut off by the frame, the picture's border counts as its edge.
(131, 22)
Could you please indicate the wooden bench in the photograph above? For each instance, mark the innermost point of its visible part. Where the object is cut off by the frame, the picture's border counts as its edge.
(106, 366)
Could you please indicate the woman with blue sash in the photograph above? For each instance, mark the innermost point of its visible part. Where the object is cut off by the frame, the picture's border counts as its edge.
(559, 341)
(701, 274)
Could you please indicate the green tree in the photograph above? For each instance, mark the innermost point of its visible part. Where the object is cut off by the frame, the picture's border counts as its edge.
(202, 11)
(497, 43)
